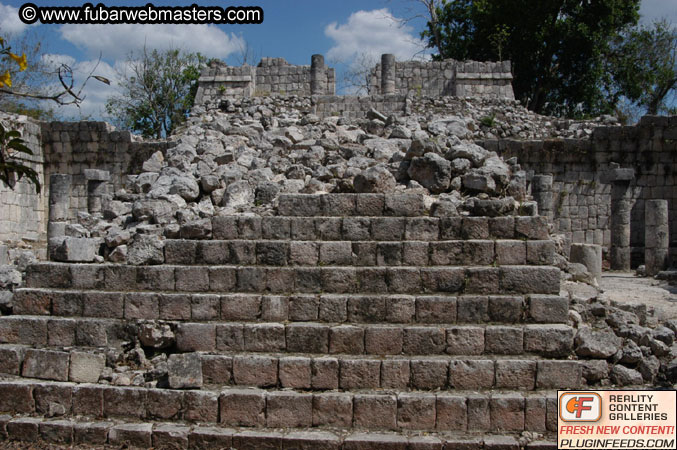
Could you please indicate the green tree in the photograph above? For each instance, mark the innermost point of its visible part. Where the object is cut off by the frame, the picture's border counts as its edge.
(157, 91)
(557, 47)
(17, 82)
(37, 78)
(643, 62)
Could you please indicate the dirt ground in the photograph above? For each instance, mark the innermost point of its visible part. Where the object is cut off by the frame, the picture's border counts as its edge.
(625, 287)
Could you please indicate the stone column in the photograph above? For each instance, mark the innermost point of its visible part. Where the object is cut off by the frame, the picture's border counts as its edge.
(590, 256)
(318, 75)
(59, 204)
(657, 236)
(621, 207)
(541, 190)
(97, 185)
(387, 74)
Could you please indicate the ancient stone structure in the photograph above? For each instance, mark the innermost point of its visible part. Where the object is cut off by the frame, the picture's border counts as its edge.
(197, 296)
(273, 76)
(69, 149)
(657, 242)
(600, 184)
(440, 78)
(365, 294)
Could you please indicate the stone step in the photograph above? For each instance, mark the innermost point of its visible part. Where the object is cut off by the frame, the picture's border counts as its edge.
(550, 340)
(406, 205)
(330, 308)
(367, 227)
(416, 373)
(66, 432)
(360, 253)
(480, 280)
(511, 412)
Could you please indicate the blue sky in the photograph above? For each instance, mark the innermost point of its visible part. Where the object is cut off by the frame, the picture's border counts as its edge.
(342, 30)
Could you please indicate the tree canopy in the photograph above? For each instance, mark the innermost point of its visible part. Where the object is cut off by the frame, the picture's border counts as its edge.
(157, 91)
(643, 62)
(557, 47)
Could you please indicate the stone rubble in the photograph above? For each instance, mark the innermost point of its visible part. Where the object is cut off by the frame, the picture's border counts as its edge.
(239, 157)
(624, 345)
(235, 161)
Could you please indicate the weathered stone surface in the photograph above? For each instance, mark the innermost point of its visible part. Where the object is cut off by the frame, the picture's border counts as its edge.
(185, 371)
(86, 367)
(432, 171)
(597, 344)
(375, 179)
(45, 364)
(74, 249)
(624, 376)
(145, 249)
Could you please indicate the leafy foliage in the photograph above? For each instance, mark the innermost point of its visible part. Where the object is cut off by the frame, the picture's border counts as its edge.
(19, 74)
(11, 167)
(557, 47)
(643, 62)
(157, 91)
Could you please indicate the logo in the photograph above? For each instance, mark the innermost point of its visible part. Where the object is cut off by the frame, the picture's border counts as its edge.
(580, 407)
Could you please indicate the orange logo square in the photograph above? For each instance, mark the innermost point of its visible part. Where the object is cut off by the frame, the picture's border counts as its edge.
(580, 407)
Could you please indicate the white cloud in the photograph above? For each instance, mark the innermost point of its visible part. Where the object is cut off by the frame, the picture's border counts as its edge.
(9, 20)
(658, 9)
(372, 33)
(55, 60)
(117, 41)
(94, 93)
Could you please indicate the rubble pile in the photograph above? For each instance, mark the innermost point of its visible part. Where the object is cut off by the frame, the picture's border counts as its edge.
(239, 158)
(623, 344)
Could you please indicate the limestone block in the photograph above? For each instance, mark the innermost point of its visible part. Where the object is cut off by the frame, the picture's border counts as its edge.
(185, 371)
(86, 367)
(77, 250)
(590, 256)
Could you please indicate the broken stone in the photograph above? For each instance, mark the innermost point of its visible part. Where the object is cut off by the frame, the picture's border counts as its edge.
(597, 344)
(197, 229)
(595, 370)
(624, 376)
(76, 250)
(156, 335)
(237, 194)
(649, 368)
(478, 181)
(9, 277)
(175, 182)
(6, 302)
(210, 183)
(154, 163)
(377, 179)
(119, 254)
(432, 172)
(632, 354)
(146, 249)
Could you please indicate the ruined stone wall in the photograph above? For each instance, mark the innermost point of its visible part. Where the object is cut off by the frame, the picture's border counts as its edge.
(221, 81)
(272, 77)
(442, 78)
(72, 147)
(580, 200)
(23, 210)
(67, 148)
(358, 107)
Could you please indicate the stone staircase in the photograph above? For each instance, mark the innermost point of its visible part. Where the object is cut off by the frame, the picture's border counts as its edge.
(346, 321)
